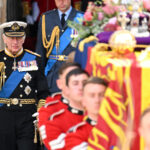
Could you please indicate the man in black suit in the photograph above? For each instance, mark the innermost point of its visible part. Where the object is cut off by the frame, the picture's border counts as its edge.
(53, 58)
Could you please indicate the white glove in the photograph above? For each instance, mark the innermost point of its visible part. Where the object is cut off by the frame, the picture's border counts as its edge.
(29, 19)
(35, 11)
(35, 114)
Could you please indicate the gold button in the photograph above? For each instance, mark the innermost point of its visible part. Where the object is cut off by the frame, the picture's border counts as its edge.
(14, 101)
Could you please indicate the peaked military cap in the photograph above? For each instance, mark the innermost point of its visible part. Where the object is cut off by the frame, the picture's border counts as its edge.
(14, 28)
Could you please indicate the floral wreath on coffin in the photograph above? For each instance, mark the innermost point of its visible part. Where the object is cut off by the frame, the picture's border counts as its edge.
(110, 15)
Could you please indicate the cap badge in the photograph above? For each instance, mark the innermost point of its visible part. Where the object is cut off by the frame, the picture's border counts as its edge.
(15, 27)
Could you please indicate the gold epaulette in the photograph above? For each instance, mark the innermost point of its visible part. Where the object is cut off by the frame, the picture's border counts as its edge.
(29, 51)
(1, 50)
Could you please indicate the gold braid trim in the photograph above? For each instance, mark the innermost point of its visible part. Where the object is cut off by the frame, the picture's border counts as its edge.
(2, 74)
(40, 103)
(31, 52)
(49, 44)
(86, 40)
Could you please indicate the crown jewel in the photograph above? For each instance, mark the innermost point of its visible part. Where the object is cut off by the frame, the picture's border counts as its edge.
(135, 20)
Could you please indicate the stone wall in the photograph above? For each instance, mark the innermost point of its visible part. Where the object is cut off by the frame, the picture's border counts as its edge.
(2, 19)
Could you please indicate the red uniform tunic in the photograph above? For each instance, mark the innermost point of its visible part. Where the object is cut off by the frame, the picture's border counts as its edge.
(59, 124)
(53, 104)
(79, 135)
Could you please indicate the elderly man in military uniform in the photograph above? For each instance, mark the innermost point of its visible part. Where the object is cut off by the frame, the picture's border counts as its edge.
(24, 86)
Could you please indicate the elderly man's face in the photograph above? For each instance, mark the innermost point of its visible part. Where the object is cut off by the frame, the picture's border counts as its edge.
(14, 44)
(63, 5)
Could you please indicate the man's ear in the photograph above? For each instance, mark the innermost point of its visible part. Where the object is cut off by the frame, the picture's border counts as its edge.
(59, 84)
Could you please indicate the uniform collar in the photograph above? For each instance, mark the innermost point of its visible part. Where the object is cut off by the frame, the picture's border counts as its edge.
(75, 111)
(64, 100)
(66, 13)
(7, 52)
(91, 122)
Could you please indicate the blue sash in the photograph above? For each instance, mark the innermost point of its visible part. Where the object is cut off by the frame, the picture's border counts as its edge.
(14, 79)
(65, 39)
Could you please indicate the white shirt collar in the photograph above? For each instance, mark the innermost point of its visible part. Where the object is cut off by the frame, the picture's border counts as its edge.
(67, 13)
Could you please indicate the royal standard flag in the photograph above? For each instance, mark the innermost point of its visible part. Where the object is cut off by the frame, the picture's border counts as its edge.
(125, 99)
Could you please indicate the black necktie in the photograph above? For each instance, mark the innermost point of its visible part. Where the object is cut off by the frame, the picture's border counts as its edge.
(63, 19)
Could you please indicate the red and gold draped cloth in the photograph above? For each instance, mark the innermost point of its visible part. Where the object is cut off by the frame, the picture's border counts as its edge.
(127, 95)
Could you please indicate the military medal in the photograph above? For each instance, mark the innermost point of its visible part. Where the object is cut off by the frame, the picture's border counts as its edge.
(27, 90)
(27, 77)
(14, 65)
(74, 33)
(27, 66)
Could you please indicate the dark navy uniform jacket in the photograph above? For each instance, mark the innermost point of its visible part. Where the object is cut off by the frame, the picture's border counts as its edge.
(33, 84)
(16, 127)
(51, 20)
